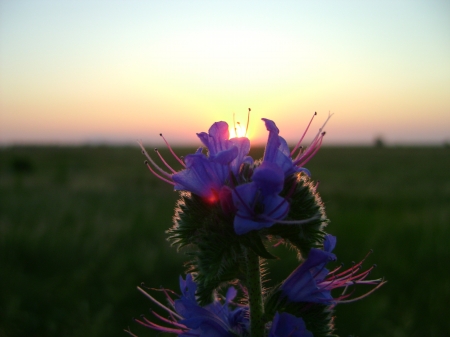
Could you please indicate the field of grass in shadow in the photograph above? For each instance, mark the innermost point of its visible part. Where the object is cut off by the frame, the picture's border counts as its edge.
(81, 227)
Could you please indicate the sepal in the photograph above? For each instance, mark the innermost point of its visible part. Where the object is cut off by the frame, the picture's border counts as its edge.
(254, 241)
(216, 253)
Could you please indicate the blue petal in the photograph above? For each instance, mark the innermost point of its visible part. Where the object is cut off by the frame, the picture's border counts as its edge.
(244, 225)
(329, 243)
(243, 145)
(269, 178)
(188, 287)
(231, 294)
(287, 325)
(216, 139)
(226, 156)
(273, 142)
(301, 285)
(275, 207)
(277, 150)
(200, 177)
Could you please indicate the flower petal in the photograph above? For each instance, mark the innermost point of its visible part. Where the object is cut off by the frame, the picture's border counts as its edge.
(216, 139)
(199, 177)
(287, 325)
(269, 178)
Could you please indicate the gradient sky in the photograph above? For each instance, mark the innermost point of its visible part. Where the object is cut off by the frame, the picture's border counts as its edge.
(117, 71)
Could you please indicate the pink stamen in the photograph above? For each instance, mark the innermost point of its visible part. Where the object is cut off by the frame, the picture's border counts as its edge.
(303, 136)
(157, 175)
(130, 333)
(248, 121)
(165, 163)
(154, 326)
(171, 151)
(365, 295)
(309, 153)
(167, 320)
(158, 303)
(144, 151)
(314, 146)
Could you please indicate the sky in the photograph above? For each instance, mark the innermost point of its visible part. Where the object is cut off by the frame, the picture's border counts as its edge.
(77, 72)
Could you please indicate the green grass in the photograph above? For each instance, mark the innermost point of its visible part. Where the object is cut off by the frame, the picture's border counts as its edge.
(81, 227)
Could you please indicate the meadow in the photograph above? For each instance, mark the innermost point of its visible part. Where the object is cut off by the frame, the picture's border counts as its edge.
(81, 227)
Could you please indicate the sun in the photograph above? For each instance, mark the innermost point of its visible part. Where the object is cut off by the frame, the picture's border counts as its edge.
(238, 129)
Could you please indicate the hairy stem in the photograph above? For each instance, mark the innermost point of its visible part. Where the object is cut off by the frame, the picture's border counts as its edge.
(255, 294)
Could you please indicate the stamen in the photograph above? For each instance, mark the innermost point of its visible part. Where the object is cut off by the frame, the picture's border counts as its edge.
(171, 151)
(159, 304)
(314, 146)
(130, 333)
(165, 163)
(310, 152)
(151, 325)
(366, 294)
(167, 320)
(157, 175)
(145, 153)
(248, 121)
(336, 269)
(234, 124)
(303, 136)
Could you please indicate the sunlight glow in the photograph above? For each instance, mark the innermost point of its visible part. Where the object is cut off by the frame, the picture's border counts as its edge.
(238, 128)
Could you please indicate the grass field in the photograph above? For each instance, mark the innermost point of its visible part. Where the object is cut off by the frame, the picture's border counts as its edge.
(81, 227)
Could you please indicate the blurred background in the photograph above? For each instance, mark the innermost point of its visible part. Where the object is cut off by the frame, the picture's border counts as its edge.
(82, 221)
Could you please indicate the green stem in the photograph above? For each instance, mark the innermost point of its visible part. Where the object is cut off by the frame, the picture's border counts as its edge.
(255, 294)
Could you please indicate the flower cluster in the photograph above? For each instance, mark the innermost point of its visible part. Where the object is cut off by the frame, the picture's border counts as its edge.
(218, 319)
(218, 174)
(230, 208)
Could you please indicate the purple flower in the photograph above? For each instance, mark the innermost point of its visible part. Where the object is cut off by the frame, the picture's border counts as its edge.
(287, 325)
(205, 175)
(187, 318)
(277, 150)
(258, 203)
(312, 282)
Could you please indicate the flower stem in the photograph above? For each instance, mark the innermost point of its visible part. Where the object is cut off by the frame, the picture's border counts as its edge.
(255, 294)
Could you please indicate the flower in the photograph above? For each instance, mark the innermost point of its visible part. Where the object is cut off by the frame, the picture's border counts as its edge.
(312, 282)
(187, 318)
(252, 197)
(205, 175)
(277, 150)
(258, 203)
(287, 325)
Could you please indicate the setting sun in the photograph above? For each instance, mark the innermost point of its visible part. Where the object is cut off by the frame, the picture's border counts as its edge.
(238, 128)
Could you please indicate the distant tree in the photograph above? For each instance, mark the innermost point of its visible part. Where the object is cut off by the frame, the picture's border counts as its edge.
(379, 142)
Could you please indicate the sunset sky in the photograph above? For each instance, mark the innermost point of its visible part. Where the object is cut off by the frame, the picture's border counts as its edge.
(76, 72)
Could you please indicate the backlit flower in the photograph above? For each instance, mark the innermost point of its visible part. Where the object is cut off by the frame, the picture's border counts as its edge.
(188, 318)
(277, 150)
(312, 282)
(205, 174)
(258, 203)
